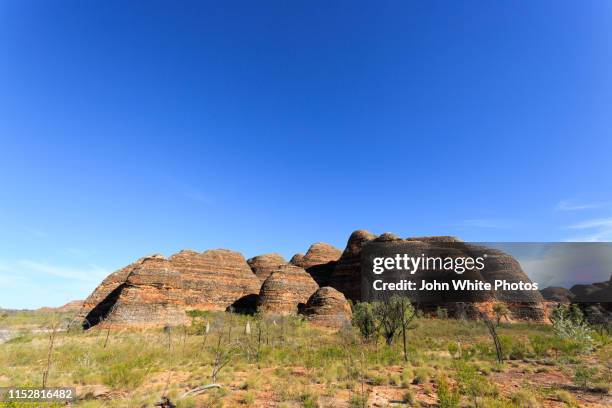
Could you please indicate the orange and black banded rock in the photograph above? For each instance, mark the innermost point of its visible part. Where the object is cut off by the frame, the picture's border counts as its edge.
(150, 297)
(264, 265)
(155, 291)
(329, 308)
(214, 279)
(319, 261)
(100, 294)
(285, 290)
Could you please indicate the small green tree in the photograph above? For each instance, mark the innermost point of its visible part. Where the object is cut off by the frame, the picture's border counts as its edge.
(500, 310)
(569, 323)
(393, 315)
(387, 315)
(365, 320)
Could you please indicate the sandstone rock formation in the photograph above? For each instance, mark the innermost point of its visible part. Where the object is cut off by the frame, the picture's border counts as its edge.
(327, 307)
(264, 265)
(155, 291)
(523, 305)
(297, 259)
(595, 300)
(557, 294)
(319, 261)
(74, 306)
(285, 290)
(214, 279)
(104, 290)
(346, 276)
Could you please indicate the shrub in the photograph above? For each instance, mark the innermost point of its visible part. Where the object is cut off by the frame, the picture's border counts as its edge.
(566, 398)
(569, 323)
(124, 376)
(421, 376)
(471, 383)
(365, 320)
(358, 401)
(583, 375)
(447, 396)
(408, 398)
(541, 345)
(524, 399)
(453, 348)
(309, 400)
(513, 349)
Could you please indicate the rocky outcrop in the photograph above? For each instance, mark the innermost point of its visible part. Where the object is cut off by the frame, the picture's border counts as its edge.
(319, 261)
(557, 294)
(523, 305)
(156, 291)
(150, 297)
(74, 306)
(214, 279)
(297, 259)
(346, 276)
(264, 265)
(104, 290)
(595, 300)
(286, 290)
(318, 254)
(327, 307)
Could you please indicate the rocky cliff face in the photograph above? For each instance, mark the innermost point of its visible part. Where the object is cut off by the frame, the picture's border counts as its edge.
(155, 291)
(329, 308)
(286, 290)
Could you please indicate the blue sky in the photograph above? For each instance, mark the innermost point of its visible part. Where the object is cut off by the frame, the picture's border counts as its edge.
(129, 128)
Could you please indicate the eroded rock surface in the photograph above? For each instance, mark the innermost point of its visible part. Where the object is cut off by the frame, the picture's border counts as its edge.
(557, 294)
(285, 290)
(523, 305)
(328, 307)
(156, 291)
(264, 265)
(319, 261)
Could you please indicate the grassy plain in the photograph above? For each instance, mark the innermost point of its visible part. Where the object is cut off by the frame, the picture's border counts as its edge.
(285, 362)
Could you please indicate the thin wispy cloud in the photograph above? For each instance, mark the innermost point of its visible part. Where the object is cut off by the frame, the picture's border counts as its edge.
(26, 267)
(569, 205)
(494, 223)
(596, 230)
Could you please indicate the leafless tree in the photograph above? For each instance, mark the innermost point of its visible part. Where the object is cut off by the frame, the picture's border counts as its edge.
(52, 335)
(491, 326)
(223, 356)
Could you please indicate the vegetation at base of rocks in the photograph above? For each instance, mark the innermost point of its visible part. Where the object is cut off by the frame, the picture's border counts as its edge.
(569, 323)
(293, 364)
(500, 310)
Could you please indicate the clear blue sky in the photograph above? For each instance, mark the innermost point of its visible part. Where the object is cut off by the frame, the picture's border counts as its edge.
(129, 128)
